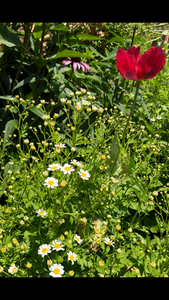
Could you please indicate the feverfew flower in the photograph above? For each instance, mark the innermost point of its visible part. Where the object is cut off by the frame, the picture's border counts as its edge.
(51, 182)
(41, 213)
(78, 239)
(13, 269)
(85, 102)
(57, 245)
(72, 256)
(44, 250)
(153, 119)
(74, 162)
(54, 167)
(57, 270)
(84, 174)
(67, 169)
(109, 242)
(60, 146)
(159, 118)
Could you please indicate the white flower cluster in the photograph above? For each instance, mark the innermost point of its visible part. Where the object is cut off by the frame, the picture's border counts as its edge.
(51, 182)
(57, 270)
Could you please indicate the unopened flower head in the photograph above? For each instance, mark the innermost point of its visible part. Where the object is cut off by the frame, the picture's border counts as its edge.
(41, 213)
(44, 250)
(57, 270)
(57, 245)
(54, 167)
(51, 182)
(72, 256)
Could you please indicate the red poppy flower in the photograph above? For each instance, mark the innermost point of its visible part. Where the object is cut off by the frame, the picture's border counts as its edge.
(135, 66)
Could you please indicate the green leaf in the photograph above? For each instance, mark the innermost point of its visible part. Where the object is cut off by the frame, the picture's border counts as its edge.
(89, 37)
(117, 38)
(9, 129)
(112, 55)
(71, 53)
(36, 111)
(61, 27)
(91, 77)
(8, 36)
(29, 79)
(37, 33)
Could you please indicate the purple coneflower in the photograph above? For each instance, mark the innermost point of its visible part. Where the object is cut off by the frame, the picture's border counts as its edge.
(76, 63)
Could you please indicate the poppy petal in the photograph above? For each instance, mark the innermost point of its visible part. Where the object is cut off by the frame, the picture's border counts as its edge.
(134, 51)
(126, 64)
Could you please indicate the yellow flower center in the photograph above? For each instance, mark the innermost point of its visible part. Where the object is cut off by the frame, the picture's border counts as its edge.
(41, 213)
(54, 167)
(14, 270)
(83, 174)
(44, 250)
(108, 242)
(77, 239)
(57, 246)
(50, 182)
(97, 230)
(56, 271)
(67, 169)
(71, 257)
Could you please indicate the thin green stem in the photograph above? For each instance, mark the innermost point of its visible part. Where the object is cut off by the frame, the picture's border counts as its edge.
(131, 112)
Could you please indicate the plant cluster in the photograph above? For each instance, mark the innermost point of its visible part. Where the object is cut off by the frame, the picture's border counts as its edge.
(84, 185)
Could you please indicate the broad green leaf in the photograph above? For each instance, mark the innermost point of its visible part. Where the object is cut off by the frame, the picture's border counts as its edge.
(61, 27)
(37, 32)
(117, 38)
(36, 111)
(91, 77)
(8, 36)
(29, 79)
(71, 53)
(112, 55)
(9, 129)
(89, 37)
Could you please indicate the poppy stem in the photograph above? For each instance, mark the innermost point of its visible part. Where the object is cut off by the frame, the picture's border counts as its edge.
(131, 112)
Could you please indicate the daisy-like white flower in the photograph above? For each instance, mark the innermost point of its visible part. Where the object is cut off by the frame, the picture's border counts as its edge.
(13, 269)
(159, 118)
(51, 182)
(60, 146)
(57, 245)
(84, 174)
(72, 256)
(85, 102)
(54, 167)
(78, 239)
(41, 213)
(44, 250)
(153, 119)
(76, 61)
(67, 169)
(57, 270)
(74, 162)
(109, 242)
